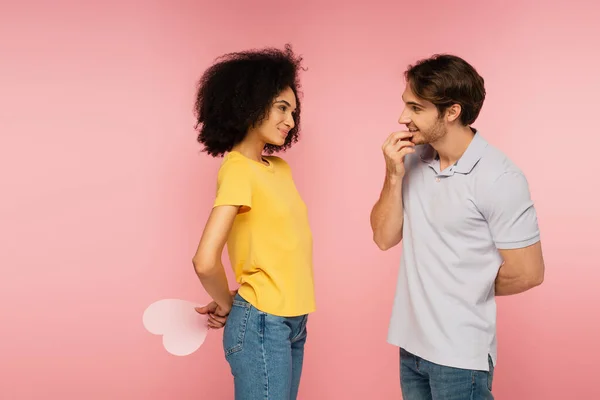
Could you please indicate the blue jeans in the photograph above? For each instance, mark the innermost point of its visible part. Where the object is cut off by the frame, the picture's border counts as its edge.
(424, 380)
(265, 352)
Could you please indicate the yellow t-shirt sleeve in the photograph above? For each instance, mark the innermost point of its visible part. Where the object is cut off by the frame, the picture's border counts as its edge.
(234, 187)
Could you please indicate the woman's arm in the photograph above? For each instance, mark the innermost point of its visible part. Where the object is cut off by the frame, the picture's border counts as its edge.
(207, 260)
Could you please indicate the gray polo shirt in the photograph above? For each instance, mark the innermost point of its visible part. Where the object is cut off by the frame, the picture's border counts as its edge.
(454, 223)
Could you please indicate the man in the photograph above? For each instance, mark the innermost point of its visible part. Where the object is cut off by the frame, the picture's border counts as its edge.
(468, 228)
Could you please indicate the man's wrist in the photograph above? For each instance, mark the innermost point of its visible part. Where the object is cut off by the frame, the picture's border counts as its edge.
(393, 179)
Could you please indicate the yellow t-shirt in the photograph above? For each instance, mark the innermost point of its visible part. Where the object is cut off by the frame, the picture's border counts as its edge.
(270, 243)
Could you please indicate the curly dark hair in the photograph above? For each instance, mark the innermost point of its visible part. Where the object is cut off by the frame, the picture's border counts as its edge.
(236, 93)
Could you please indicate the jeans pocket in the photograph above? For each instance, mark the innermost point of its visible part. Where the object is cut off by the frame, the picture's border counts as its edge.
(235, 327)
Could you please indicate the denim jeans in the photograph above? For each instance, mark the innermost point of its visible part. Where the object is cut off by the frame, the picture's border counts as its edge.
(265, 352)
(424, 380)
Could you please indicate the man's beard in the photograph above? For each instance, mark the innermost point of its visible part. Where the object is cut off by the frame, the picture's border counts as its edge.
(435, 133)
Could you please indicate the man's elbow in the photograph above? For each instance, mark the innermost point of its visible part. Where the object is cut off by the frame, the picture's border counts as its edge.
(384, 244)
(536, 280)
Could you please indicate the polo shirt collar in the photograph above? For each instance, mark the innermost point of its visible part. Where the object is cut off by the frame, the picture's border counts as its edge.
(467, 161)
(472, 155)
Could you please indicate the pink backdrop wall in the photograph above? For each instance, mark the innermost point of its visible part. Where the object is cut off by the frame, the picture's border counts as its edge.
(104, 191)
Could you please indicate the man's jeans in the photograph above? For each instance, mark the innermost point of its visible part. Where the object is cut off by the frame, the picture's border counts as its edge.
(265, 352)
(424, 380)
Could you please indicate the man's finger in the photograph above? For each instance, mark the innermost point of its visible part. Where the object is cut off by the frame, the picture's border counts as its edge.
(402, 135)
(394, 137)
(398, 138)
(400, 144)
(406, 150)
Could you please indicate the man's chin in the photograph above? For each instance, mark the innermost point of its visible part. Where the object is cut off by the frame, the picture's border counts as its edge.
(419, 140)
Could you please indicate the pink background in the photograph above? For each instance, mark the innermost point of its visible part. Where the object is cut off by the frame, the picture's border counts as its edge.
(105, 193)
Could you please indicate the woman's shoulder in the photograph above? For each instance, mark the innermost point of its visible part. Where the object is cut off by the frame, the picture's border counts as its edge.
(233, 163)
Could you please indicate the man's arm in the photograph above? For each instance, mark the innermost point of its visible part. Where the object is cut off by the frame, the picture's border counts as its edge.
(509, 210)
(387, 216)
(523, 269)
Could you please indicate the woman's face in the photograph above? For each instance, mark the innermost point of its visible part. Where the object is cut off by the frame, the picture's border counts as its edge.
(280, 120)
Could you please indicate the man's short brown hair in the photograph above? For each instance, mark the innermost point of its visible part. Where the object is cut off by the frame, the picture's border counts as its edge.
(445, 80)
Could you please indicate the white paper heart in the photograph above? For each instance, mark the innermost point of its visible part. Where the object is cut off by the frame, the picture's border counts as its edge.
(182, 328)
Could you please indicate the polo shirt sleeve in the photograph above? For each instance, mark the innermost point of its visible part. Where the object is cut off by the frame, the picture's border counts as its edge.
(234, 186)
(509, 211)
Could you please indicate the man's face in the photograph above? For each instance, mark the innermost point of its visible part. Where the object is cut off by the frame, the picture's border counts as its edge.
(422, 118)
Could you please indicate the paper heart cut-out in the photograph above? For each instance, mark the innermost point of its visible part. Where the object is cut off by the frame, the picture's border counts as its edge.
(182, 328)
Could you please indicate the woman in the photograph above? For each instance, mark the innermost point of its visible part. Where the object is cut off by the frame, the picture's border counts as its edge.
(248, 108)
